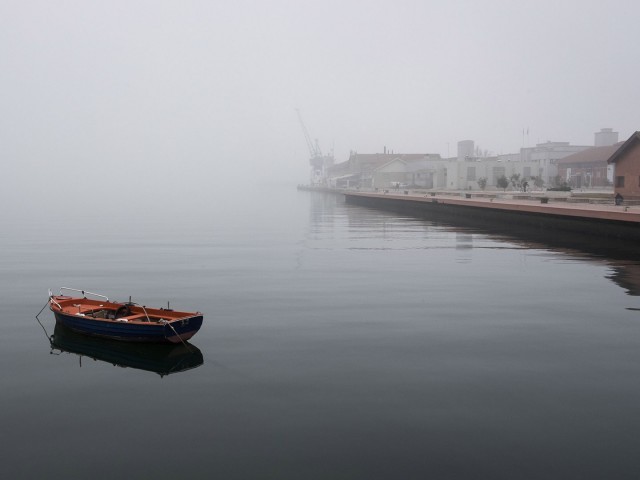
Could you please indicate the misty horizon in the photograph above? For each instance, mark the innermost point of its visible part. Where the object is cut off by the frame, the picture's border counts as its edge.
(196, 98)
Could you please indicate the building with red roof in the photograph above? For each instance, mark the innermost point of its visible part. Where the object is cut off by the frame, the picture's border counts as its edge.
(588, 168)
(626, 163)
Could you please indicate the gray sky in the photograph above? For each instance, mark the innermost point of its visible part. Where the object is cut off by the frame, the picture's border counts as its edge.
(184, 93)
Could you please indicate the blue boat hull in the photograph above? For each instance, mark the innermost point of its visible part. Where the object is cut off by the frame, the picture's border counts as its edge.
(175, 332)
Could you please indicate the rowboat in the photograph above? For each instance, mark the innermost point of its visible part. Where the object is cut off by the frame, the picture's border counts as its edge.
(127, 321)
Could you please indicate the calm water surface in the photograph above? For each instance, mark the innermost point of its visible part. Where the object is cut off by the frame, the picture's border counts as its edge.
(339, 342)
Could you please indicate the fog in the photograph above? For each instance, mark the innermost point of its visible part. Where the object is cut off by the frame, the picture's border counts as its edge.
(106, 103)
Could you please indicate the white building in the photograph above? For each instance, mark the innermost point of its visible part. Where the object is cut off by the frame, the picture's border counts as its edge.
(547, 155)
(465, 175)
(465, 149)
(605, 137)
(413, 170)
(433, 172)
(430, 171)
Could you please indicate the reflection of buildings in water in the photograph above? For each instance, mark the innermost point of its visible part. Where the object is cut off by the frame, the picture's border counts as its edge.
(159, 358)
(623, 257)
(627, 276)
(464, 240)
(321, 204)
(625, 273)
(464, 246)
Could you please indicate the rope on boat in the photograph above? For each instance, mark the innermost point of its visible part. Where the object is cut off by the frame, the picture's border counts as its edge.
(42, 309)
(143, 309)
(174, 331)
(38, 319)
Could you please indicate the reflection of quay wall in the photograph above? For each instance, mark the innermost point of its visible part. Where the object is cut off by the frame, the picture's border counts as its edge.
(586, 221)
(610, 242)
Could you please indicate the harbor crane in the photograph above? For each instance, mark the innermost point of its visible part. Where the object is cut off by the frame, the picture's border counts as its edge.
(317, 161)
(314, 147)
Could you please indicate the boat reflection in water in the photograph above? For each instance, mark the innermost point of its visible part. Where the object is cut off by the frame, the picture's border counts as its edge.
(161, 358)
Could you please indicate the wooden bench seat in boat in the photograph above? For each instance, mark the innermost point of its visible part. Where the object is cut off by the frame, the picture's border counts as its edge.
(140, 317)
(136, 317)
(85, 309)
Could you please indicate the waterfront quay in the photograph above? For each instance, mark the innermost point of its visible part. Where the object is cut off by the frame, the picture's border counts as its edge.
(549, 212)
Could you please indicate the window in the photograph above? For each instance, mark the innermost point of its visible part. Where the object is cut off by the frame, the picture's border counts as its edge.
(619, 182)
(471, 173)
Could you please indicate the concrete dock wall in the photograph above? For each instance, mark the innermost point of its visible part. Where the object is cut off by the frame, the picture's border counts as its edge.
(612, 222)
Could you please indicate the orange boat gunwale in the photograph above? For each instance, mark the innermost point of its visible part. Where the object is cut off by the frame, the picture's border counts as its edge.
(126, 321)
(107, 311)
